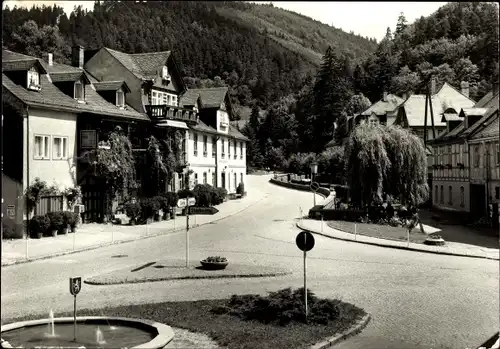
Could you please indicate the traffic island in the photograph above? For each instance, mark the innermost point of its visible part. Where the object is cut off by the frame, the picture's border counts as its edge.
(275, 321)
(175, 270)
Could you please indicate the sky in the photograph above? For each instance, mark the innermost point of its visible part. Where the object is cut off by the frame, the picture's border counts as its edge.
(368, 19)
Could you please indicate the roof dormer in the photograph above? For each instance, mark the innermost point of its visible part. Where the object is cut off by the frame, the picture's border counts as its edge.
(25, 72)
(113, 91)
(165, 75)
(72, 83)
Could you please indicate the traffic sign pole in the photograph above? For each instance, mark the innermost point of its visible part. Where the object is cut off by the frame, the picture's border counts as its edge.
(75, 285)
(305, 276)
(187, 236)
(74, 317)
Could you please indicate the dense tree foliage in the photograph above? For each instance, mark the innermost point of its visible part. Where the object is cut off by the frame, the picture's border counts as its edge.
(385, 161)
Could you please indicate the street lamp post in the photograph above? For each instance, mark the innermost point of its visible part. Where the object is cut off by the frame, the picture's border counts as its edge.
(314, 171)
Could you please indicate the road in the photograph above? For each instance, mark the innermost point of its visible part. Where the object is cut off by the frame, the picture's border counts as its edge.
(417, 300)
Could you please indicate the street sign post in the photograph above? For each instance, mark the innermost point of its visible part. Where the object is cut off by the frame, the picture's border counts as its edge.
(305, 242)
(189, 202)
(75, 285)
(314, 188)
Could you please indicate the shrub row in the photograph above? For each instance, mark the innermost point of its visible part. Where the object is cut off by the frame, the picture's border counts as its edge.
(53, 221)
(322, 191)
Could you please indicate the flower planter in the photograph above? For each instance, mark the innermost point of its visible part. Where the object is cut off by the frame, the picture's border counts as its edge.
(214, 265)
(38, 235)
(158, 217)
(73, 229)
(53, 232)
(64, 230)
(434, 241)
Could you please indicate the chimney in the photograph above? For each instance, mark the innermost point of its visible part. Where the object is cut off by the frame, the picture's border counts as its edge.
(433, 86)
(495, 88)
(384, 98)
(77, 56)
(50, 59)
(464, 88)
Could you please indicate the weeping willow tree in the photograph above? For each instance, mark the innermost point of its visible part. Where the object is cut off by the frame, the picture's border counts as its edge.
(381, 161)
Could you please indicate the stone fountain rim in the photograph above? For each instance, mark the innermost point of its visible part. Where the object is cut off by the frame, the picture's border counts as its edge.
(165, 333)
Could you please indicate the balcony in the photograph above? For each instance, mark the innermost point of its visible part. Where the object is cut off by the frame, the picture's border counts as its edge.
(163, 111)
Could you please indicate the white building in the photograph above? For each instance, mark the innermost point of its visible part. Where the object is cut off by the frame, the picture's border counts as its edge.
(216, 151)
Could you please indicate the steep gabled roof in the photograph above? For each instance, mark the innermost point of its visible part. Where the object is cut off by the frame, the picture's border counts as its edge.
(111, 86)
(485, 100)
(489, 128)
(143, 65)
(13, 61)
(235, 133)
(210, 97)
(69, 77)
(189, 98)
(414, 106)
(381, 107)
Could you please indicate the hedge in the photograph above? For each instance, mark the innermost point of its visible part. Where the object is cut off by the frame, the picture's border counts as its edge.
(336, 215)
(321, 191)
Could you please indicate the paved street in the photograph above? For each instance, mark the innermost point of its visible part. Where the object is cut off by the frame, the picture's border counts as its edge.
(417, 300)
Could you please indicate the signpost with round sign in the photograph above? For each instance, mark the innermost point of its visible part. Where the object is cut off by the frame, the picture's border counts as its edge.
(314, 188)
(305, 242)
(75, 285)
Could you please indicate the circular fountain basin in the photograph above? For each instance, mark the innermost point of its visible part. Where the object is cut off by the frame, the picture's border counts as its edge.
(115, 332)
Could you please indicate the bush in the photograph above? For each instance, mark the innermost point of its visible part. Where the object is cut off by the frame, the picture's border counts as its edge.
(149, 207)
(286, 306)
(75, 217)
(185, 193)
(240, 189)
(172, 198)
(215, 259)
(56, 220)
(162, 202)
(203, 195)
(218, 195)
(133, 210)
(39, 224)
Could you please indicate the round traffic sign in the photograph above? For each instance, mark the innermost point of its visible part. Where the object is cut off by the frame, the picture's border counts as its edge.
(305, 241)
(314, 186)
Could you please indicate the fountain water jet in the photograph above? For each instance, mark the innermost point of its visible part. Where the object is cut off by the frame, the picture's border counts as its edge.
(99, 337)
(52, 330)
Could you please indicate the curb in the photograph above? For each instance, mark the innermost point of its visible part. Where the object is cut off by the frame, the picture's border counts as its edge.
(152, 235)
(166, 278)
(279, 184)
(356, 329)
(380, 244)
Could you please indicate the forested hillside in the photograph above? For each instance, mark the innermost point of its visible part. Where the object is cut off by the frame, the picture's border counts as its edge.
(215, 43)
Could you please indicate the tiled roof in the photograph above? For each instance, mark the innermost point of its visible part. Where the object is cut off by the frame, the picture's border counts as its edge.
(475, 111)
(8, 55)
(110, 86)
(381, 107)
(483, 101)
(233, 132)
(490, 130)
(25, 64)
(189, 98)
(414, 106)
(68, 76)
(202, 127)
(143, 65)
(210, 97)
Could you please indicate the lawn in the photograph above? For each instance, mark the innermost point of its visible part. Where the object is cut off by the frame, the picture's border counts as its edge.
(229, 330)
(380, 231)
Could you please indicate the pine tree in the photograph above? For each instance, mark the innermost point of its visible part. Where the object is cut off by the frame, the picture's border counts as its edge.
(401, 25)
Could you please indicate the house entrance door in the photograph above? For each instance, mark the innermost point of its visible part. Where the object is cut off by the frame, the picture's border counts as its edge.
(223, 179)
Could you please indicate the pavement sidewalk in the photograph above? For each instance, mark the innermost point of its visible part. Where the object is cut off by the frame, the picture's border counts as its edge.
(451, 248)
(92, 236)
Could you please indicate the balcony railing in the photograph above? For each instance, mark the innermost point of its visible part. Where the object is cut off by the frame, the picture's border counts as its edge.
(163, 111)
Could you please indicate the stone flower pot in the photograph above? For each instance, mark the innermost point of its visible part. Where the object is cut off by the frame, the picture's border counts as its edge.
(64, 230)
(214, 265)
(434, 240)
(53, 232)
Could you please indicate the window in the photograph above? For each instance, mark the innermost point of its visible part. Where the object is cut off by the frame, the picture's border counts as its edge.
(462, 196)
(235, 149)
(164, 99)
(60, 148)
(497, 192)
(195, 142)
(442, 195)
(498, 154)
(229, 149)
(223, 153)
(205, 146)
(154, 98)
(174, 100)
(436, 197)
(241, 178)
(42, 147)
(241, 150)
(79, 91)
(450, 155)
(213, 179)
(120, 98)
(195, 178)
(235, 181)
(450, 195)
(204, 178)
(33, 79)
(214, 146)
(477, 156)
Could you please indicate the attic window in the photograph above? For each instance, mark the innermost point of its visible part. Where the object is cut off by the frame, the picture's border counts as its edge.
(33, 80)
(120, 99)
(79, 91)
(164, 73)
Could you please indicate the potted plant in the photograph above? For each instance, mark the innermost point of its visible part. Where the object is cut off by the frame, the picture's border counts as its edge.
(240, 190)
(133, 211)
(67, 219)
(38, 226)
(56, 222)
(434, 239)
(72, 195)
(149, 207)
(214, 263)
